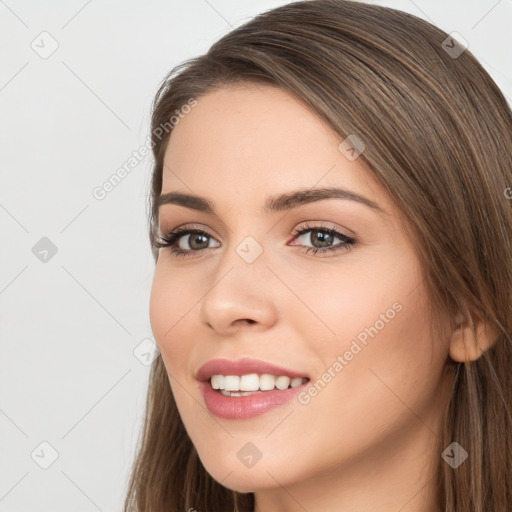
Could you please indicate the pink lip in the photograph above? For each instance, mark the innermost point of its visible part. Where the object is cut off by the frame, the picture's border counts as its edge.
(242, 407)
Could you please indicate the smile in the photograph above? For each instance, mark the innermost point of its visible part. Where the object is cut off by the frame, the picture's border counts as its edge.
(244, 388)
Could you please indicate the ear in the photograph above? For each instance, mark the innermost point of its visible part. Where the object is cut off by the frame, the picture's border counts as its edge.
(464, 346)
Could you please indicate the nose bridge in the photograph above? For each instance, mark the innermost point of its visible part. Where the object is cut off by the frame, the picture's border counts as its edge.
(245, 245)
(244, 267)
(240, 288)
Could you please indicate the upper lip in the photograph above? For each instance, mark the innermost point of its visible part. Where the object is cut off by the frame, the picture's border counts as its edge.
(242, 367)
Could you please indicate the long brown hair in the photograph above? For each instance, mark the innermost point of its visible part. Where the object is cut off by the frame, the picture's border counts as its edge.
(438, 135)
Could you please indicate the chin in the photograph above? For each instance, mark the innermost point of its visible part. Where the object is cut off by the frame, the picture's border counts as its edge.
(242, 479)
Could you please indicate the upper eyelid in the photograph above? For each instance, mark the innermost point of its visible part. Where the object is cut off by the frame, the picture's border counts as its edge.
(311, 224)
(299, 230)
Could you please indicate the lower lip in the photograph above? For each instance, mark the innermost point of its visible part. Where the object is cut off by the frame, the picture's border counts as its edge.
(242, 407)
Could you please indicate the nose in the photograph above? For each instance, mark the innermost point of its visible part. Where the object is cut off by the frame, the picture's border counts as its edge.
(241, 294)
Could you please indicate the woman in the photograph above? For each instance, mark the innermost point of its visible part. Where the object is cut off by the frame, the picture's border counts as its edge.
(332, 297)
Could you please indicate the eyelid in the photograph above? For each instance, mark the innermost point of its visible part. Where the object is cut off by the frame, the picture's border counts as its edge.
(323, 225)
(168, 219)
(170, 239)
(185, 226)
(310, 224)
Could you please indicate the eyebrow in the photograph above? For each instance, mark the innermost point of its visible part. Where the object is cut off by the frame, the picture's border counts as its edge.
(278, 203)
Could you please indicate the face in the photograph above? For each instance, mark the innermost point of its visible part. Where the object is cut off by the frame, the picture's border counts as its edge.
(343, 303)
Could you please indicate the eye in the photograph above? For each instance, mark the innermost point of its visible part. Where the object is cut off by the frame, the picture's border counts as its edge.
(198, 240)
(323, 237)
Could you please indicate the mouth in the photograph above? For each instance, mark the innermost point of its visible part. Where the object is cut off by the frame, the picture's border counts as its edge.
(245, 388)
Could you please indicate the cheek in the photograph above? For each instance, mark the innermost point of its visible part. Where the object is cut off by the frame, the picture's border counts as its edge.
(380, 351)
(160, 306)
(380, 304)
(168, 309)
(385, 363)
(171, 303)
(360, 301)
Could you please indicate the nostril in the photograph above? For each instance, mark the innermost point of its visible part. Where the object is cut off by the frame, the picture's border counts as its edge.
(248, 320)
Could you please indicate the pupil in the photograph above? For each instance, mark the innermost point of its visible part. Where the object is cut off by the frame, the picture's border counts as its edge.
(322, 237)
(195, 237)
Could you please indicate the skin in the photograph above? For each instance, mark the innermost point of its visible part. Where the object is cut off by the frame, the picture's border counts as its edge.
(366, 441)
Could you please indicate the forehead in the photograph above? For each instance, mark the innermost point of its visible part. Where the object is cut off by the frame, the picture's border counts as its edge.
(253, 140)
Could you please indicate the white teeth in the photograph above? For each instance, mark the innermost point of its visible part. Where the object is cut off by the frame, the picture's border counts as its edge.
(253, 382)
(250, 382)
(231, 382)
(217, 381)
(235, 393)
(267, 382)
(283, 382)
(296, 382)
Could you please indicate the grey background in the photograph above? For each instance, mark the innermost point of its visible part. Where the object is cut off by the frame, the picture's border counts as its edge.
(76, 342)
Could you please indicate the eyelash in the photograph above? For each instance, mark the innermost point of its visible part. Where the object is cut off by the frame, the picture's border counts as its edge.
(169, 240)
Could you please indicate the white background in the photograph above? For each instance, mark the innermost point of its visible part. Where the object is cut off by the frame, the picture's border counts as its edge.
(69, 326)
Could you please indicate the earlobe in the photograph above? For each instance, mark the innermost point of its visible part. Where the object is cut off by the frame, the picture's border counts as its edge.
(464, 345)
